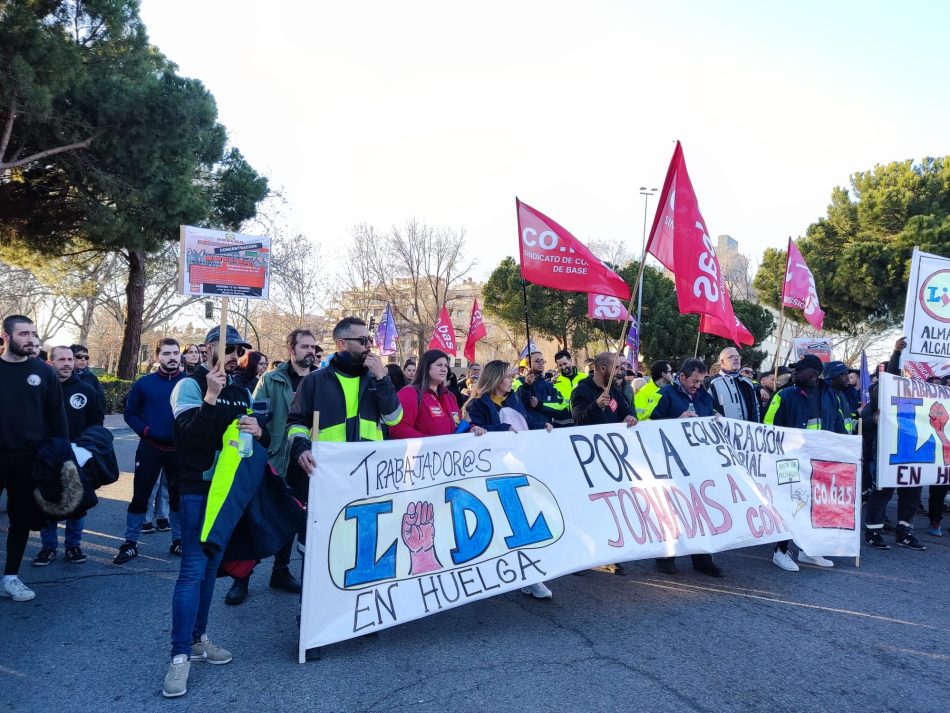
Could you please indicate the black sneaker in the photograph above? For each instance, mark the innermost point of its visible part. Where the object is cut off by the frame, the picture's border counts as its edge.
(44, 557)
(128, 551)
(163, 525)
(872, 538)
(175, 548)
(74, 555)
(907, 539)
(148, 528)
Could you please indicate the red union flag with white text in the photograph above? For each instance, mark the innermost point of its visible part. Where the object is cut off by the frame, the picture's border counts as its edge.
(799, 288)
(606, 307)
(680, 241)
(552, 257)
(443, 337)
(709, 324)
(476, 331)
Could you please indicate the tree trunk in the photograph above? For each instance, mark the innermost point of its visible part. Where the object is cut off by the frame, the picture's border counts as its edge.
(88, 310)
(135, 307)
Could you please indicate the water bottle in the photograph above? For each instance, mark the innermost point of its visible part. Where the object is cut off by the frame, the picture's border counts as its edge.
(245, 445)
(691, 408)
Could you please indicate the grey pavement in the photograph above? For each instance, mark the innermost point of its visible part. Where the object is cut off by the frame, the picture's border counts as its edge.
(869, 639)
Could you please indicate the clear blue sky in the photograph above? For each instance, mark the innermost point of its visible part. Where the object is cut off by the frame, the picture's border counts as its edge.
(382, 111)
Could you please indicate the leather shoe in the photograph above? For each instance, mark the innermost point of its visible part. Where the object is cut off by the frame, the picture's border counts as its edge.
(238, 591)
(712, 569)
(281, 578)
(666, 565)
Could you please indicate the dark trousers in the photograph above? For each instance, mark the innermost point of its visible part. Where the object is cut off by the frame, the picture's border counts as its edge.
(149, 462)
(907, 499)
(16, 477)
(935, 498)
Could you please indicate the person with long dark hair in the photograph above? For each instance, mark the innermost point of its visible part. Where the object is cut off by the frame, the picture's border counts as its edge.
(250, 368)
(396, 375)
(190, 358)
(409, 369)
(428, 407)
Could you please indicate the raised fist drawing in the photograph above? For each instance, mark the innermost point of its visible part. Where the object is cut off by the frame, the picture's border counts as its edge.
(418, 532)
(938, 420)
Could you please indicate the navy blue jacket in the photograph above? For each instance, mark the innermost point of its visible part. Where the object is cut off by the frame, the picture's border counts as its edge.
(483, 412)
(551, 404)
(789, 408)
(674, 401)
(148, 409)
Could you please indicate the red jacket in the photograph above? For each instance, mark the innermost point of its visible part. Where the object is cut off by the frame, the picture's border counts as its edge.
(434, 416)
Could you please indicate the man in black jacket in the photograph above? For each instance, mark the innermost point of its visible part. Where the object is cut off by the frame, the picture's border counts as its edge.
(592, 403)
(82, 411)
(204, 405)
(31, 409)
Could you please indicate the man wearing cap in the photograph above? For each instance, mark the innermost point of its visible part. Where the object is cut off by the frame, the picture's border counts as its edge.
(839, 381)
(204, 405)
(808, 404)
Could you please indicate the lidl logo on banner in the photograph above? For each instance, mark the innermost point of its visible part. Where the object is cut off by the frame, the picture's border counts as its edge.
(935, 295)
(473, 524)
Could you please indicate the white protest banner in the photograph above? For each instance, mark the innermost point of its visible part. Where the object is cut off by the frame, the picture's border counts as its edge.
(913, 445)
(399, 530)
(819, 346)
(217, 263)
(927, 309)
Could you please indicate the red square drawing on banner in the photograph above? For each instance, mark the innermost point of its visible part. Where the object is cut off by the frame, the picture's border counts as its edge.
(833, 494)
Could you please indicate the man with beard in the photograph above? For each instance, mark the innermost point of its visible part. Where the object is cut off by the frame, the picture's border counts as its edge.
(808, 404)
(82, 411)
(565, 380)
(148, 412)
(278, 388)
(204, 405)
(353, 394)
(31, 409)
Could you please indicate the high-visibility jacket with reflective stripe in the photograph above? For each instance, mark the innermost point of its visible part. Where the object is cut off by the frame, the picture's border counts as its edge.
(351, 408)
(565, 384)
(646, 399)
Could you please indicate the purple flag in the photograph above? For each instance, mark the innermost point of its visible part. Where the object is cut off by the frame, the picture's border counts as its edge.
(532, 347)
(633, 337)
(864, 383)
(386, 334)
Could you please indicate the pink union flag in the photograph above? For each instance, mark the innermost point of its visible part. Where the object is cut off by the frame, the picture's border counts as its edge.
(443, 337)
(476, 331)
(552, 257)
(799, 291)
(606, 307)
(680, 241)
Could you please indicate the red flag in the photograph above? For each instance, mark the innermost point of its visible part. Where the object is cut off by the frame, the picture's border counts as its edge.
(476, 331)
(606, 307)
(799, 288)
(680, 241)
(552, 257)
(443, 337)
(711, 325)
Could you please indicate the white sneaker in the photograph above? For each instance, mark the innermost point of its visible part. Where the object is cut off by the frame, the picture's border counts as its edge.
(15, 589)
(783, 560)
(818, 561)
(176, 680)
(538, 591)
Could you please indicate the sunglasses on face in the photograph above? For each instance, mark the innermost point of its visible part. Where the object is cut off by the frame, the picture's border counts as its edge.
(231, 348)
(81, 356)
(364, 341)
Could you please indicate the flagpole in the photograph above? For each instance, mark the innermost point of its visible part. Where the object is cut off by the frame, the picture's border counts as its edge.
(626, 323)
(527, 329)
(699, 333)
(781, 321)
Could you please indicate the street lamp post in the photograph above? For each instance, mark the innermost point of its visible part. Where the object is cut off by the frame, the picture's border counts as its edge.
(643, 256)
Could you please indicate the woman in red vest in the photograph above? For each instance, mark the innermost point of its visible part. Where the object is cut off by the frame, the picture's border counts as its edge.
(428, 407)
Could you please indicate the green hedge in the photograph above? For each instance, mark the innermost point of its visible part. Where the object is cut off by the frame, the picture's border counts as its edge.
(116, 390)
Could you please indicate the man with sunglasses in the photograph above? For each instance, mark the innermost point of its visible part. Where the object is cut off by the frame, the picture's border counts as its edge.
(148, 412)
(646, 399)
(353, 394)
(85, 374)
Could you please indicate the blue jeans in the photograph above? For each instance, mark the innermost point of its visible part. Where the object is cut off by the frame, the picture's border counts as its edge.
(73, 534)
(195, 586)
(158, 501)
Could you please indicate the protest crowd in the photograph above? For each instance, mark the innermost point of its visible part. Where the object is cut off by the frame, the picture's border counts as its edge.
(183, 409)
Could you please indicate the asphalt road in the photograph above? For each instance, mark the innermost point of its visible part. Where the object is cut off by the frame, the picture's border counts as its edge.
(868, 639)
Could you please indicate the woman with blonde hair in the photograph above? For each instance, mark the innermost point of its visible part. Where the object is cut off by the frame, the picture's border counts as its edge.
(493, 406)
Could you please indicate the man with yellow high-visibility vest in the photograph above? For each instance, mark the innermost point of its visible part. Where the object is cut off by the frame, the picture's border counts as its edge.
(646, 399)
